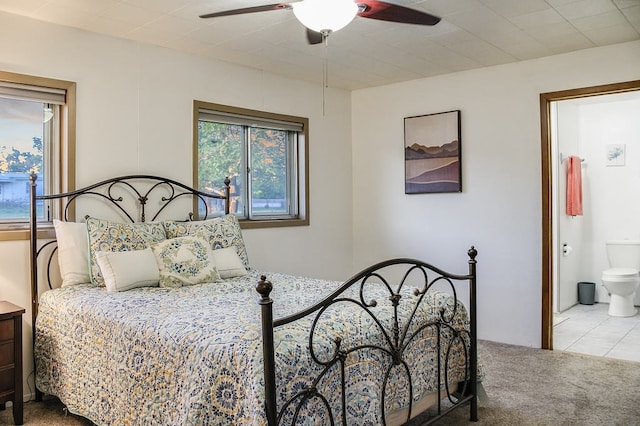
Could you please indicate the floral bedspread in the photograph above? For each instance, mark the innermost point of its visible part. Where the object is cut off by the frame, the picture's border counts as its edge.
(193, 355)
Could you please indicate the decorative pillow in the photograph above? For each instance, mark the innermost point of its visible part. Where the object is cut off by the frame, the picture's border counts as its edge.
(109, 236)
(73, 256)
(228, 263)
(124, 270)
(185, 261)
(221, 232)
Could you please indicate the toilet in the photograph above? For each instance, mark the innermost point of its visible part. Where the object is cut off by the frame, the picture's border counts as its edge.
(622, 278)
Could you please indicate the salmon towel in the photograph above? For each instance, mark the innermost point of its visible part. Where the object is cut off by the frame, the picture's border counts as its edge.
(574, 186)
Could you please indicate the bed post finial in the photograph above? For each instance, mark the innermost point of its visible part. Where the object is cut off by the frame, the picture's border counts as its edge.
(472, 252)
(264, 287)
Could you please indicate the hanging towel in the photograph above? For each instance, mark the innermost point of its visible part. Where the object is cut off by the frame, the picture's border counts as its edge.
(574, 186)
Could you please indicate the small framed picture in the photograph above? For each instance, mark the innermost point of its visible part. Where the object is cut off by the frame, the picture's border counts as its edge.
(615, 154)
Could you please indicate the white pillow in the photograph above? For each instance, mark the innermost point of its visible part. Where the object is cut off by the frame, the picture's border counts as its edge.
(124, 270)
(73, 252)
(228, 263)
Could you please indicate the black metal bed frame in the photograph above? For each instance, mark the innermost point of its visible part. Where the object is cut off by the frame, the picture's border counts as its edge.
(397, 339)
(114, 191)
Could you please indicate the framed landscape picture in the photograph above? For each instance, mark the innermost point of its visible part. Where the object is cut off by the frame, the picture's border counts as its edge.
(432, 160)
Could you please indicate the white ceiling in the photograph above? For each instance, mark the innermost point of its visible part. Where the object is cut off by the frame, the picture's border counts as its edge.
(366, 53)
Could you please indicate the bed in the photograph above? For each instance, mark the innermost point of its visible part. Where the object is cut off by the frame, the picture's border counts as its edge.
(163, 321)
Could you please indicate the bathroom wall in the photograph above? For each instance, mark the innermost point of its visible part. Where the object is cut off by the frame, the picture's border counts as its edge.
(611, 192)
(569, 267)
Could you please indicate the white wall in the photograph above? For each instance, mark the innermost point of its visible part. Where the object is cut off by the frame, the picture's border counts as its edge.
(499, 210)
(134, 115)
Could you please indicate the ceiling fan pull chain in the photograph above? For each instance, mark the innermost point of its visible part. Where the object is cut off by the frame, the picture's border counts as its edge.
(326, 60)
(325, 70)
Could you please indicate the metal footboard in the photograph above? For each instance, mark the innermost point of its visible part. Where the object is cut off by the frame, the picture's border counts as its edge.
(396, 336)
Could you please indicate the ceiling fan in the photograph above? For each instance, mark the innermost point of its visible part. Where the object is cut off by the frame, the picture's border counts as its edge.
(322, 17)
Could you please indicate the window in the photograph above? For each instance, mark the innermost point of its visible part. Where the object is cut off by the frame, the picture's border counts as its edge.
(263, 154)
(37, 118)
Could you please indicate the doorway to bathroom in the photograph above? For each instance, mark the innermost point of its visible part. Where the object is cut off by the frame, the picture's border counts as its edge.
(573, 124)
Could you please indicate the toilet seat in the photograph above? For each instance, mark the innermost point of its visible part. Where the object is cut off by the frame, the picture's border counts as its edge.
(620, 274)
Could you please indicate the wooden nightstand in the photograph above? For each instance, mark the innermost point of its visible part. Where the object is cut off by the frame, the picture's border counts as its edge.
(11, 358)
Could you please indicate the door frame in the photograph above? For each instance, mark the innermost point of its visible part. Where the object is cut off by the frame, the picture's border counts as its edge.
(547, 202)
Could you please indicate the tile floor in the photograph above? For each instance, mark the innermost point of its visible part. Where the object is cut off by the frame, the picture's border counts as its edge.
(588, 329)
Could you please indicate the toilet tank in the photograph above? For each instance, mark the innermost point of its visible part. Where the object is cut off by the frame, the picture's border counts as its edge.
(624, 254)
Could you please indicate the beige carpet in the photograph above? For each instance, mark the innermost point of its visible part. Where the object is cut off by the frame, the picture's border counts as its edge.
(537, 387)
(524, 387)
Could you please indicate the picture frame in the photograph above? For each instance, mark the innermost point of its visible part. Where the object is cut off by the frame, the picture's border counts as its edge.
(432, 153)
(616, 154)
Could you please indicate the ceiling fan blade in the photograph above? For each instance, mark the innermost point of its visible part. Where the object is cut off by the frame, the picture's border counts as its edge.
(265, 8)
(383, 11)
(314, 37)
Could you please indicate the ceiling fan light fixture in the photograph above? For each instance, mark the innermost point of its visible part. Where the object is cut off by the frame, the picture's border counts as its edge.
(325, 16)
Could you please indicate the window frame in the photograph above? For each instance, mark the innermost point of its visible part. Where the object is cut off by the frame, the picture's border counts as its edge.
(64, 167)
(302, 158)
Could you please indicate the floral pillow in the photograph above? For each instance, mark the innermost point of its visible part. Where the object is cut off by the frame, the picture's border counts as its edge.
(105, 235)
(221, 232)
(185, 261)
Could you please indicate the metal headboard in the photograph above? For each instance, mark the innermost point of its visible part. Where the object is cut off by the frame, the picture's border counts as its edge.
(124, 194)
